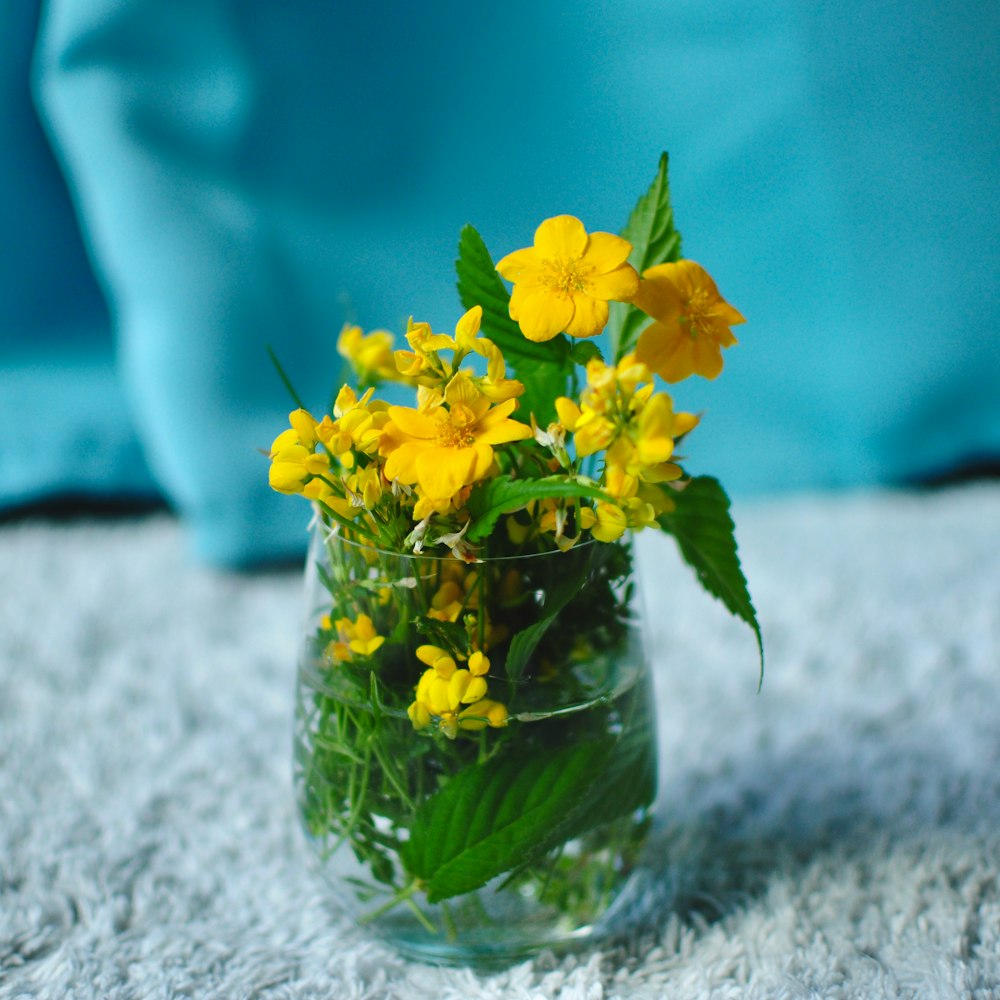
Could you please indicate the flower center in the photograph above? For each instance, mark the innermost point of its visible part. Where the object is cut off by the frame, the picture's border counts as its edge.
(697, 318)
(457, 430)
(563, 275)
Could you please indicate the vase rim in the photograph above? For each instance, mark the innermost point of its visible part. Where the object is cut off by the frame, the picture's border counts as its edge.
(337, 532)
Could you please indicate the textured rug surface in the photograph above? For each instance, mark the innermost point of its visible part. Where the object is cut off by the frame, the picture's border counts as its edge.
(837, 835)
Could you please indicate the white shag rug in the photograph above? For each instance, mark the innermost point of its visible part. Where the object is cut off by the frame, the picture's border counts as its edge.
(837, 835)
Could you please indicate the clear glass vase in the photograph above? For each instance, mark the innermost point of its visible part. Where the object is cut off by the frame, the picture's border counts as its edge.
(475, 745)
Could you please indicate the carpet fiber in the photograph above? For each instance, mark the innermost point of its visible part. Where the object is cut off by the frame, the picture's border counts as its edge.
(837, 835)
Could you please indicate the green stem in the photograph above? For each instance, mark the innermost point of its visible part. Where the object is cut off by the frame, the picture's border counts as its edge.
(389, 771)
(422, 917)
(450, 928)
(402, 896)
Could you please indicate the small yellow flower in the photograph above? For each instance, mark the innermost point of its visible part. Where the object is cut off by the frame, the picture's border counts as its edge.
(607, 521)
(354, 638)
(447, 602)
(482, 714)
(294, 459)
(371, 357)
(364, 639)
(444, 688)
(496, 387)
(592, 432)
(424, 341)
(565, 281)
(692, 321)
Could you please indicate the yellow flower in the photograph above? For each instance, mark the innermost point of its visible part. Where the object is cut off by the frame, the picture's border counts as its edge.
(294, 460)
(371, 357)
(692, 321)
(444, 688)
(358, 426)
(438, 659)
(355, 638)
(450, 447)
(607, 521)
(482, 714)
(479, 664)
(495, 386)
(424, 341)
(447, 602)
(565, 281)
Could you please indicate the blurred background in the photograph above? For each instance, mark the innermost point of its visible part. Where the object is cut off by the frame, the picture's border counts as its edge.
(189, 181)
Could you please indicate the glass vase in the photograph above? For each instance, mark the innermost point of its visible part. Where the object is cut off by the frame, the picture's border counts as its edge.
(475, 745)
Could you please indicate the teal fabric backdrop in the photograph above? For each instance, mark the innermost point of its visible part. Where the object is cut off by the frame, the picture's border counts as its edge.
(249, 173)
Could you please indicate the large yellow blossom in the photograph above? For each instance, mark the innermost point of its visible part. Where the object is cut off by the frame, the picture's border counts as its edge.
(564, 282)
(440, 450)
(692, 321)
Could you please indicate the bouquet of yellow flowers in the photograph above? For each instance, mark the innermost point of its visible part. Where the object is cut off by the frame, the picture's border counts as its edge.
(476, 762)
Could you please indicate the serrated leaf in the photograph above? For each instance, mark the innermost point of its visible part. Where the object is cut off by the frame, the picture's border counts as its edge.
(504, 495)
(508, 812)
(628, 783)
(655, 240)
(705, 535)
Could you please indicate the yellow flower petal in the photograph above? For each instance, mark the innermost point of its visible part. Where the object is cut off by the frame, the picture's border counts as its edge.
(442, 472)
(589, 317)
(483, 713)
(413, 423)
(619, 285)
(519, 265)
(304, 424)
(561, 237)
(543, 315)
(467, 327)
(286, 477)
(568, 412)
(611, 522)
(479, 664)
(419, 715)
(402, 463)
(606, 252)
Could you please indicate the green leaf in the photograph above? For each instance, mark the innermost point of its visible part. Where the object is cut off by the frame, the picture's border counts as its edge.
(628, 783)
(543, 385)
(527, 639)
(503, 495)
(283, 375)
(508, 812)
(583, 351)
(655, 240)
(705, 535)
